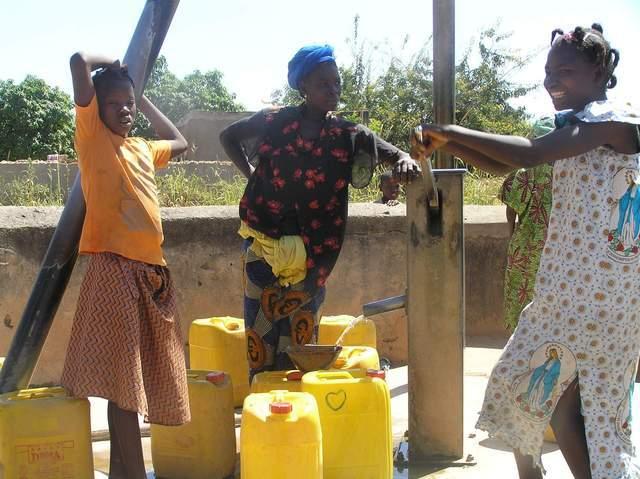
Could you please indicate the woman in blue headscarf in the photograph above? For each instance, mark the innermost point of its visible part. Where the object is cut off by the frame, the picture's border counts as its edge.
(294, 209)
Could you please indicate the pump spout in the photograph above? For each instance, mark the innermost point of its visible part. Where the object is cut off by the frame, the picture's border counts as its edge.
(384, 305)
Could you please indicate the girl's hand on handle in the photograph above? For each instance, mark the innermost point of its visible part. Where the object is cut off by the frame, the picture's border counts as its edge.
(433, 137)
(425, 140)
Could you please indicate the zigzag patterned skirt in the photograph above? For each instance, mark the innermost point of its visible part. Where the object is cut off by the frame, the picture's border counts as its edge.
(126, 344)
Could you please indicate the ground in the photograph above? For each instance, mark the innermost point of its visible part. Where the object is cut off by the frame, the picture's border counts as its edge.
(491, 458)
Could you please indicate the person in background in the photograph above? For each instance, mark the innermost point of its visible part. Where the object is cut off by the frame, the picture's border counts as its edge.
(527, 194)
(390, 189)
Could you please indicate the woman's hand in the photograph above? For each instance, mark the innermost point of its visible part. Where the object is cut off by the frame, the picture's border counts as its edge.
(406, 169)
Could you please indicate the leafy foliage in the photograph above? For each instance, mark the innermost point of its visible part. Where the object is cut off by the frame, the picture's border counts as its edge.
(35, 120)
(401, 96)
(484, 91)
(176, 97)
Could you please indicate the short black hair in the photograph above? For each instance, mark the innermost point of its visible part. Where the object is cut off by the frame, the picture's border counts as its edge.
(591, 42)
(385, 176)
(106, 78)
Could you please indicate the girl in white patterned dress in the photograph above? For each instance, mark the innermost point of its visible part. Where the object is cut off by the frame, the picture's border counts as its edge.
(572, 359)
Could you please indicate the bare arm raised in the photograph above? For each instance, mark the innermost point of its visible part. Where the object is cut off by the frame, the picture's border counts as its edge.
(165, 129)
(519, 152)
(82, 64)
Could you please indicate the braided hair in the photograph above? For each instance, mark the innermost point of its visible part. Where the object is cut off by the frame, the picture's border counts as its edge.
(591, 42)
(106, 78)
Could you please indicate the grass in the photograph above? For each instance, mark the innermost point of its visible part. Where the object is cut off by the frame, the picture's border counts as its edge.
(182, 189)
(480, 188)
(28, 191)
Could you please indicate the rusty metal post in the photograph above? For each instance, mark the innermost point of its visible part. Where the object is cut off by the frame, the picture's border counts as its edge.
(435, 311)
(435, 279)
(444, 70)
(62, 253)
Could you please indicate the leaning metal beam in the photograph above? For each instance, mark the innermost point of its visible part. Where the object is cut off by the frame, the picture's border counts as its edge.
(62, 253)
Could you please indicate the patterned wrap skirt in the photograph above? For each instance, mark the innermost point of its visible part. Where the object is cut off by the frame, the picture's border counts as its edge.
(275, 317)
(126, 344)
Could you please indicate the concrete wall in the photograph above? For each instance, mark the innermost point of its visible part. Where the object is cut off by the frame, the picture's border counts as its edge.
(205, 156)
(202, 129)
(60, 176)
(202, 250)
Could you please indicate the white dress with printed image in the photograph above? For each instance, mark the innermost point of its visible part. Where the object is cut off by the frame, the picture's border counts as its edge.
(583, 320)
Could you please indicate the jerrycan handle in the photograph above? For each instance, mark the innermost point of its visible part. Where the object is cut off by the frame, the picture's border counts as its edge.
(278, 395)
(333, 375)
(355, 350)
(26, 394)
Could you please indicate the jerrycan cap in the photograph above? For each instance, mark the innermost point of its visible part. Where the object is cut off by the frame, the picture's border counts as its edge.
(294, 375)
(339, 362)
(281, 407)
(231, 325)
(376, 373)
(215, 377)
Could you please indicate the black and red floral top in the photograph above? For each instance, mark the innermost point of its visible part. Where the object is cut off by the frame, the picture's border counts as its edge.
(300, 186)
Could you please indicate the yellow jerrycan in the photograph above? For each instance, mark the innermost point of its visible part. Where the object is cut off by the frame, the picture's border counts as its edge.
(355, 416)
(357, 357)
(362, 334)
(271, 380)
(280, 437)
(204, 448)
(45, 433)
(219, 344)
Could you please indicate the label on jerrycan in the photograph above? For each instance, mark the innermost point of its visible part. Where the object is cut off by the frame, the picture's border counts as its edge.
(51, 457)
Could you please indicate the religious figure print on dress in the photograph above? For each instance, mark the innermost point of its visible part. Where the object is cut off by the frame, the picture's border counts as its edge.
(624, 233)
(536, 392)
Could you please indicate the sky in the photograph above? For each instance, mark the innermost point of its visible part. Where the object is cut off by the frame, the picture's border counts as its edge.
(251, 41)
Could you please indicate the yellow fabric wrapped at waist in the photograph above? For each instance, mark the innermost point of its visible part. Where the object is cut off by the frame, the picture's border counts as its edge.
(286, 255)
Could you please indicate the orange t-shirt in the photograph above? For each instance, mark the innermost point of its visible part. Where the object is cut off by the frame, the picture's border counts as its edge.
(118, 182)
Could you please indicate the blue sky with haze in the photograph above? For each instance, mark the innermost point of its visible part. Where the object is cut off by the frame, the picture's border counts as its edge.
(251, 41)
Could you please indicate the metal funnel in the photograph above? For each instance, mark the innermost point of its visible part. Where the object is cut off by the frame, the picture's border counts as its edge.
(312, 357)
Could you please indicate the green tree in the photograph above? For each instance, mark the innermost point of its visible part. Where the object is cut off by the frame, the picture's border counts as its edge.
(35, 120)
(401, 96)
(483, 91)
(176, 97)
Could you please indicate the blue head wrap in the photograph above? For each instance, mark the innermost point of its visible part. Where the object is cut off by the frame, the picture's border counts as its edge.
(305, 60)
